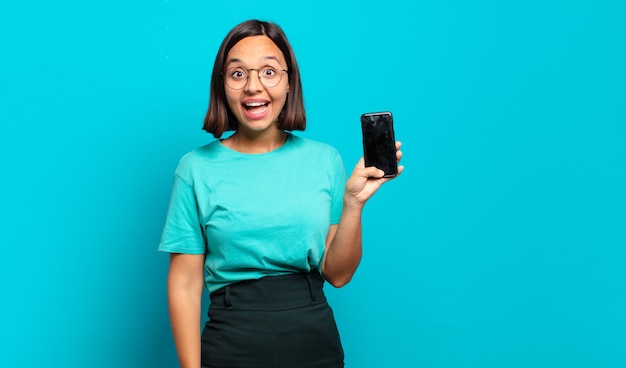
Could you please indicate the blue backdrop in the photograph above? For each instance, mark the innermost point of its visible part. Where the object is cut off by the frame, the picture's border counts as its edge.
(502, 244)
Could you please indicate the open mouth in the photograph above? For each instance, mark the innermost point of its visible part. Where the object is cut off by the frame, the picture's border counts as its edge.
(256, 107)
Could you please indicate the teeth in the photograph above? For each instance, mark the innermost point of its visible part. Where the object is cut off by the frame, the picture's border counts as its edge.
(255, 104)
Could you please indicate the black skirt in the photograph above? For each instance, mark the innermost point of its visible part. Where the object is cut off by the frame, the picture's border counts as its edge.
(274, 322)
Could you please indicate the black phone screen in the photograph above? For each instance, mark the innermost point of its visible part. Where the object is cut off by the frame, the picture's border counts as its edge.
(379, 144)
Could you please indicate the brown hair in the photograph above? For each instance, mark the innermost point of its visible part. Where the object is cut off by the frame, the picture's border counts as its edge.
(219, 118)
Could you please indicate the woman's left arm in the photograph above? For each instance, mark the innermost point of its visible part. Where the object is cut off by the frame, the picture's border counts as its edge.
(343, 244)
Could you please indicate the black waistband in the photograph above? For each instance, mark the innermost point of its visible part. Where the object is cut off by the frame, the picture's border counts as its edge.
(271, 293)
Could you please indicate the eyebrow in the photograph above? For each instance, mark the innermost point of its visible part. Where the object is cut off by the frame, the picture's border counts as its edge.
(235, 60)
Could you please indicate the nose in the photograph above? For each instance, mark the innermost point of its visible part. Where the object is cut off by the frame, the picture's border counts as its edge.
(254, 82)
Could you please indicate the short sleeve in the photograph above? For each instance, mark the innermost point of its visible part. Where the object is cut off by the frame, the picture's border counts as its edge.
(337, 191)
(183, 232)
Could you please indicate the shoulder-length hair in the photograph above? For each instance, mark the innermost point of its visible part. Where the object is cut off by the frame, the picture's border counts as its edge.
(219, 118)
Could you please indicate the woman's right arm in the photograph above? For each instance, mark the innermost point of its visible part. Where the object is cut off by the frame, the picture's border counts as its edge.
(184, 288)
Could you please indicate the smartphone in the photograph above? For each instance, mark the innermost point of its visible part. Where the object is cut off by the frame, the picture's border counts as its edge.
(379, 143)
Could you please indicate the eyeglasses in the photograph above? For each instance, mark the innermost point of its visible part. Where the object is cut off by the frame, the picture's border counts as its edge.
(237, 77)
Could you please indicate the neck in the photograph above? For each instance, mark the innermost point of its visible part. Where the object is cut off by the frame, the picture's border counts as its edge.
(251, 143)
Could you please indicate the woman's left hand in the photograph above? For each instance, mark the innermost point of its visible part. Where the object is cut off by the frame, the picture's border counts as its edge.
(365, 181)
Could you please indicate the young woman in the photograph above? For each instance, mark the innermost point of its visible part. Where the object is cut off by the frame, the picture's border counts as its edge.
(261, 218)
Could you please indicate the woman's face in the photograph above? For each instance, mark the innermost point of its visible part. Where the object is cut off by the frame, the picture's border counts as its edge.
(256, 106)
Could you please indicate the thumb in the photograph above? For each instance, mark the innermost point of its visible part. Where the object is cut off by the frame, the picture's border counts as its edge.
(373, 172)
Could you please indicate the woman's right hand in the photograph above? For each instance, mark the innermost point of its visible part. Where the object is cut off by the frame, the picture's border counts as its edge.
(185, 283)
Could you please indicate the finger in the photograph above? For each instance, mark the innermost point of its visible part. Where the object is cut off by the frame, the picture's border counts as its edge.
(372, 172)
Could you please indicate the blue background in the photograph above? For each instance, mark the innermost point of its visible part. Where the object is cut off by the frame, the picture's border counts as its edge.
(502, 244)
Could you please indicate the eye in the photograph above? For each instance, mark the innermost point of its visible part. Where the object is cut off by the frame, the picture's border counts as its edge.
(268, 72)
(236, 73)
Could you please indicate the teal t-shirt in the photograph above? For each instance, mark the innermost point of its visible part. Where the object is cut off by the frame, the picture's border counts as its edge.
(255, 215)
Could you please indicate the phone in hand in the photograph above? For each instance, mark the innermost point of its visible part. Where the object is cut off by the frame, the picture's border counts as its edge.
(379, 143)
